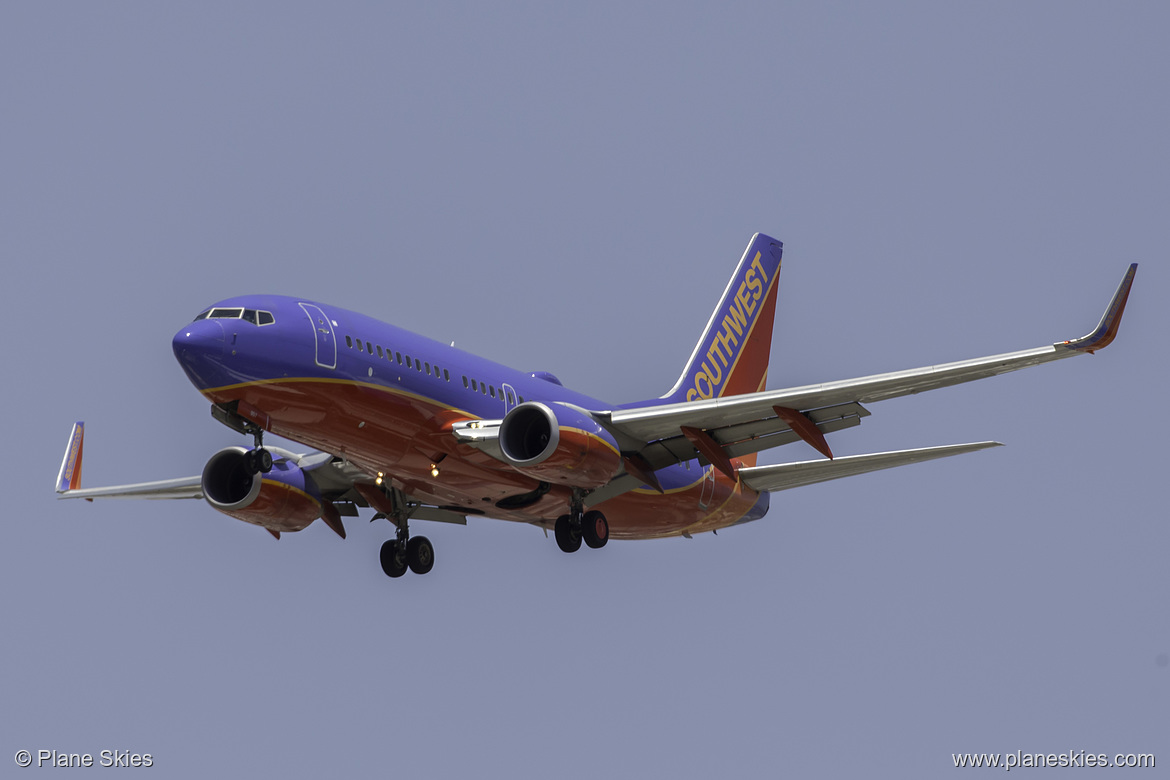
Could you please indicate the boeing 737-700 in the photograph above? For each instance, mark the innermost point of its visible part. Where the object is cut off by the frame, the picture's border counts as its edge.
(419, 430)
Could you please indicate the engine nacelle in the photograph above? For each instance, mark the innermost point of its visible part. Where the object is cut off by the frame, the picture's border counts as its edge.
(559, 443)
(281, 500)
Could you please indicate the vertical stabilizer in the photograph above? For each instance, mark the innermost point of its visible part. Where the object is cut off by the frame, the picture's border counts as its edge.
(731, 358)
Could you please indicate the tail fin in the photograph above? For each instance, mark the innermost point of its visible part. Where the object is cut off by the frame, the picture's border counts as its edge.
(731, 358)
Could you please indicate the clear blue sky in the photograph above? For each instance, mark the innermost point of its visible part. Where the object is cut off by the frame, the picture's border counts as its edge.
(568, 189)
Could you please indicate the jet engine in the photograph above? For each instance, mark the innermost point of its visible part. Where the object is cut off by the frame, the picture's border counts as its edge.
(282, 500)
(559, 443)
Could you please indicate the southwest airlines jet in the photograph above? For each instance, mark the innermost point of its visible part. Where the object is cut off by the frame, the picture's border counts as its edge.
(419, 430)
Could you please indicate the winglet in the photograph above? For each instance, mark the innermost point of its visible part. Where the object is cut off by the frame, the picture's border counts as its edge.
(69, 477)
(1106, 330)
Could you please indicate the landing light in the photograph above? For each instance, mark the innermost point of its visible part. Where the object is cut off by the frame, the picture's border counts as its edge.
(434, 470)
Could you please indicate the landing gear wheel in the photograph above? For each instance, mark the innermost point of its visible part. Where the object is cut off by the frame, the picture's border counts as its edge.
(420, 555)
(393, 559)
(258, 461)
(595, 529)
(568, 534)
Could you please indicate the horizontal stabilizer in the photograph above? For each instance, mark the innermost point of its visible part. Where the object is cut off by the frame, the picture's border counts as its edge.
(791, 475)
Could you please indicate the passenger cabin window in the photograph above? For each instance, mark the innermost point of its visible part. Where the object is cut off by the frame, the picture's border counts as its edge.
(492, 389)
(349, 342)
(379, 351)
(446, 376)
(369, 348)
(428, 365)
(398, 358)
(509, 396)
(473, 386)
(408, 364)
(465, 381)
(483, 388)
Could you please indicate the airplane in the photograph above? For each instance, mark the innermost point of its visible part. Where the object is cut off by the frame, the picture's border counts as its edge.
(419, 430)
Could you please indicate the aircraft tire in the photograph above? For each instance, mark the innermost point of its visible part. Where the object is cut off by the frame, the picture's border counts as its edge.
(420, 554)
(568, 537)
(595, 529)
(392, 559)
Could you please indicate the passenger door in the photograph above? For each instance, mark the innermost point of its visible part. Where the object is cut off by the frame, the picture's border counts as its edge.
(323, 337)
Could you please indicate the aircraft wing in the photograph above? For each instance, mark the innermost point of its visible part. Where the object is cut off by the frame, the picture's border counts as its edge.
(69, 479)
(184, 487)
(751, 422)
(342, 484)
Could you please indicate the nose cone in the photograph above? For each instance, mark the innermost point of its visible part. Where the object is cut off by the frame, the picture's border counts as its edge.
(199, 348)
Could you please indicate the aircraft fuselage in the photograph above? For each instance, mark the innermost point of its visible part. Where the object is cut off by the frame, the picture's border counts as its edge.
(385, 399)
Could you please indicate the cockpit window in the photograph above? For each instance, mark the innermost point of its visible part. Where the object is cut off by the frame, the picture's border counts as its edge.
(250, 315)
(226, 314)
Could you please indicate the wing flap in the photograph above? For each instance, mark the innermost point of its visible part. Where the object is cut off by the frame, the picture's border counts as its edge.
(791, 475)
(438, 515)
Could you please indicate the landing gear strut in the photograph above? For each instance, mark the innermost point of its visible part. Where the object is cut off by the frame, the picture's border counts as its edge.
(579, 525)
(404, 552)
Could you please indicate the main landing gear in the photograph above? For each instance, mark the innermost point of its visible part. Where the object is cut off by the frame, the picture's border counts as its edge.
(403, 552)
(256, 460)
(417, 554)
(590, 527)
